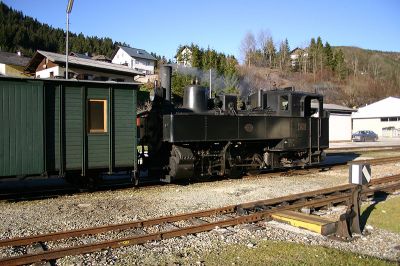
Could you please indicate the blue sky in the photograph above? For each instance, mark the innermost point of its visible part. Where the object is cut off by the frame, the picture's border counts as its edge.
(160, 26)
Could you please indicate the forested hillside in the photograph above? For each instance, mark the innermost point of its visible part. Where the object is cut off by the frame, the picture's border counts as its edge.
(348, 76)
(25, 34)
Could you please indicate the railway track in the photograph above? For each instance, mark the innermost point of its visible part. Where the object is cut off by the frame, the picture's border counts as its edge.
(142, 231)
(325, 166)
(364, 148)
(377, 160)
(68, 189)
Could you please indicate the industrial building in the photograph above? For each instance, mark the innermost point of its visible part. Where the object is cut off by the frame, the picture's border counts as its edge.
(382, 117)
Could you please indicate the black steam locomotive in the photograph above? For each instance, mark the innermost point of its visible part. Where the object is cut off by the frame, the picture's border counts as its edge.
(213, 137)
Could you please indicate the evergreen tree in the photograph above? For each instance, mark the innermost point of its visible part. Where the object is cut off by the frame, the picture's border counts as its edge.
(328, 56)
(270, 51)
(312, 54)
(320, 53)
(284, 54)
(340, 67)
(25, 34)
(197, 55)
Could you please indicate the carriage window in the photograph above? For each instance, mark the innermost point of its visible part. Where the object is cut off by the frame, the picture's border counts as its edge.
(284, 102)
(97, 116)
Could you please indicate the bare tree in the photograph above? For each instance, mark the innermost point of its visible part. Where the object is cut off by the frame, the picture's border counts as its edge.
(375, 69)
(248, 48)
(262, 39)
(354, 63)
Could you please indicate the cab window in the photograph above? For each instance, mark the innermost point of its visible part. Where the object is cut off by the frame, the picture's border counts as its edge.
(284, 102)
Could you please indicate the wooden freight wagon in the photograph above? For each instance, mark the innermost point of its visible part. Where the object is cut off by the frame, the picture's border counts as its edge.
(68, 128)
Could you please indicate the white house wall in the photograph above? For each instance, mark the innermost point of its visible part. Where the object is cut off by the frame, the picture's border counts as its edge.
(376, 116)
(45, 73)
(185, 58)
(3, 69)
(339, 127)
(395, 124)
(373, 124)
(95, 74)
(59, 71)
(144, 64)
(140, 64)
(122, 57)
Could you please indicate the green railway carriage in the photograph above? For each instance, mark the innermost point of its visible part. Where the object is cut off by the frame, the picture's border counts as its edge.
(66, 127)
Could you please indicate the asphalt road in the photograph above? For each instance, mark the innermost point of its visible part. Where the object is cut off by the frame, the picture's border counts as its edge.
(380, 142)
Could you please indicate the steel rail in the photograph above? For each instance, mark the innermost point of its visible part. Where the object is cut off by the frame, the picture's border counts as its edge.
(173, 218)
(54, 192)
(361, 148)
(168, 219)
(384, 188)
(376, 160)
(102, 229)
(383, 180)
(76, 250)
(316, 198)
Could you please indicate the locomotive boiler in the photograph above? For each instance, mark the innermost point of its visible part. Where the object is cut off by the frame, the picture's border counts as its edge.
(213, 137)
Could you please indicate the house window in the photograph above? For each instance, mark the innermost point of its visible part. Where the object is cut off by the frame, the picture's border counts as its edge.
(87, 77)
(101, 78)
(97, 116)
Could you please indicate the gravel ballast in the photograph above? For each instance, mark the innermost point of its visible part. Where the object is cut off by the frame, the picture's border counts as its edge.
(111, 207)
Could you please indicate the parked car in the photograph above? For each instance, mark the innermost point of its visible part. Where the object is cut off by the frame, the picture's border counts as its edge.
(364, 135)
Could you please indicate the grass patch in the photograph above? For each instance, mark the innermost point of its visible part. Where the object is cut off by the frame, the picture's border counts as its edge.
(382, 214)
(282, 253)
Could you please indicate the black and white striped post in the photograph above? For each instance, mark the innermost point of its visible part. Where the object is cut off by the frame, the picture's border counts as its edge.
(349, 222)
(359, 173)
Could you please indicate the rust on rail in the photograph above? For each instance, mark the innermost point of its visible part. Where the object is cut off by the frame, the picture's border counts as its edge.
(317, 198)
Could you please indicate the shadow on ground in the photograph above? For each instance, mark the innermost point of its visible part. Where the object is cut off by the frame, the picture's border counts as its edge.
(378, 197)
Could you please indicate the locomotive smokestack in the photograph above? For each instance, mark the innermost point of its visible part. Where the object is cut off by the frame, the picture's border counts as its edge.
(166, 81)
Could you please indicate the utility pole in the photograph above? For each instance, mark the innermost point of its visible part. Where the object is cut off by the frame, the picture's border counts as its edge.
(69, 8)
